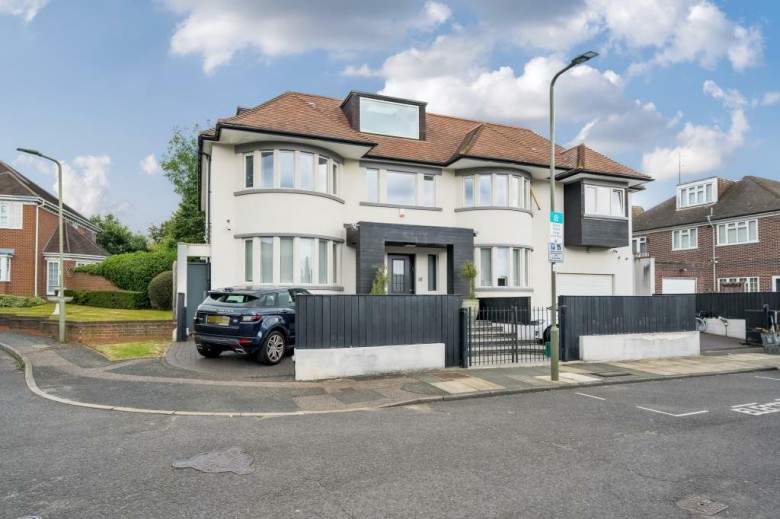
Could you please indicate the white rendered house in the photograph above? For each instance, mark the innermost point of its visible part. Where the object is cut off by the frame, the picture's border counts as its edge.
(317, 192)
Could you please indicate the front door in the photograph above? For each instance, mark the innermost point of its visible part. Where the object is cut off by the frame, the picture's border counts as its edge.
(401, 274)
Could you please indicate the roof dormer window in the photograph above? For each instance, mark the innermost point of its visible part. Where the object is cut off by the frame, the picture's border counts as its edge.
(388, 118)
(700, 193)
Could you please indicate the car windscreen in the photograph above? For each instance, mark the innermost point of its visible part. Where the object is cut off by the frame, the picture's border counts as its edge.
(235, 299)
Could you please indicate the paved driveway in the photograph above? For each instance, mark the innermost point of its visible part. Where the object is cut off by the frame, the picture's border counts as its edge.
(710, 342)
(228, 366)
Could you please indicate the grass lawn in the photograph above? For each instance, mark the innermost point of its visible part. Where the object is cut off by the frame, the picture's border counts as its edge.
(90, 313)
(132, 350)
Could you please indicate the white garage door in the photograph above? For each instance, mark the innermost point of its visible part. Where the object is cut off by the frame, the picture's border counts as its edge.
(584, 285)
(678, 286)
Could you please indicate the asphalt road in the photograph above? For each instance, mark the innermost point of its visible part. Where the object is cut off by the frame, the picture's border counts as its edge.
(618, 451)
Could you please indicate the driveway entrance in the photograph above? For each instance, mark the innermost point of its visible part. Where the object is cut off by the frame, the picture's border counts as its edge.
(228, 366)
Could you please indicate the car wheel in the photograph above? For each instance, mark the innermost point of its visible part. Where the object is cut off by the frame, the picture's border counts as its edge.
(209, 351)
(273, 349)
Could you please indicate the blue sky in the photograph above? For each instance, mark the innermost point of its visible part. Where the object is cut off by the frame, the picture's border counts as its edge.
(101, 84)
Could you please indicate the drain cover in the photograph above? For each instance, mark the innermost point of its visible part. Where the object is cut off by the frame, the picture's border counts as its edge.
(700, 505)
(231, 460)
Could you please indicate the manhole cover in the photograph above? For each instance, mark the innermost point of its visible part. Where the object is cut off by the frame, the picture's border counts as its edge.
(700, 505)
(231, 460)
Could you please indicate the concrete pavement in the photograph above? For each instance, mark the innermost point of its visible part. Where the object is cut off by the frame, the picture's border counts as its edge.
(183, 383)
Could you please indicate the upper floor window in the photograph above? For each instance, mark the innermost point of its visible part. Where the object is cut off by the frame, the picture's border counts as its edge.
(734, 233)
(496, 190)
(372, 185)
(402, 188)
(685, 239)
(697, 194)
(291, 169)
(11, 215)
(429, 191)
(388, 118)
(639, 246)
(605, 201)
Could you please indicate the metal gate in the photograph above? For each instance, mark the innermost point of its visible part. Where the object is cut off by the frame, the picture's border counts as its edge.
(506, 336)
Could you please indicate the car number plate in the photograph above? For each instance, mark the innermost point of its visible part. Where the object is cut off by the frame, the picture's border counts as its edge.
(220, 320)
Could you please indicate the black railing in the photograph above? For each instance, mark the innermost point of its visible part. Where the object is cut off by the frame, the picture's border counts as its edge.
(506, 336)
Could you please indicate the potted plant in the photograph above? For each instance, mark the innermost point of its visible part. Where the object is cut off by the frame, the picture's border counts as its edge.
(469, 272)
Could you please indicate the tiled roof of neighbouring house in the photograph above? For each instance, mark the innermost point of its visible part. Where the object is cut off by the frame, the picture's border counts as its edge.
(14, 183)
(749, 196)
(447, 138)
(75, 244)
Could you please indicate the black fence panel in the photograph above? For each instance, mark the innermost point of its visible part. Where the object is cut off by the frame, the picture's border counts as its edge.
(492, 307)
(616, 315)
(733, 305)
(347, 321)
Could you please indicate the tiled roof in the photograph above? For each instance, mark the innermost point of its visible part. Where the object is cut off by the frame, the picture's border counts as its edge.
(14, 183)
(749, 196)
(447, 138)
(75, 243)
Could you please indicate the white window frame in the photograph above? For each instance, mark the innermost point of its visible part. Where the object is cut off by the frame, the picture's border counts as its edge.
(51, 288)
(736, 226)
(332, 261)
(522, 184)
(415, 133)
(637, 243)
(693, 238)
(511, 282)
(600, 212)
(331, 178)
(5, 267)
(249, 158)
(775, 284)
(698, 190)
(747, 281)
(11, 215)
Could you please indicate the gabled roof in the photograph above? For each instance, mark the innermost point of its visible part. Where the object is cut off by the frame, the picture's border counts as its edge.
(74, 244)
(586, 160)
(746, 197)
(447, 139)
(13, 183)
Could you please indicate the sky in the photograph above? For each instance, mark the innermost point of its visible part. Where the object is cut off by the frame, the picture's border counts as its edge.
(681, 88)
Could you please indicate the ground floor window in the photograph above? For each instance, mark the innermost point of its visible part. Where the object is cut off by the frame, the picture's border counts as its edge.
(5, 268)
(775, 283)
(52, 277)
(504, 267)
(291, 260)
(748, 284)
(432, 272)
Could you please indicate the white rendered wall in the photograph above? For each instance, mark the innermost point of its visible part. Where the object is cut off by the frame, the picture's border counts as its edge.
(734, 328)
(355, 362)
(608, 348)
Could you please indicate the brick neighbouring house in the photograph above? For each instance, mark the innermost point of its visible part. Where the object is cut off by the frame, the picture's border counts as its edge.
(29, 241)
(743, 219)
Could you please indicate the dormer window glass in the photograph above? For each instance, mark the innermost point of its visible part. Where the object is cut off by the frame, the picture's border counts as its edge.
(388, 118)
(696, 194)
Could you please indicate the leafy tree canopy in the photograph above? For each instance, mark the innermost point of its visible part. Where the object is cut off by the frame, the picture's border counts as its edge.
(115, 237)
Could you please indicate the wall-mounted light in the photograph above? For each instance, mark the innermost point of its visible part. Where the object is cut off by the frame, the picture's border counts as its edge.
(227, 225)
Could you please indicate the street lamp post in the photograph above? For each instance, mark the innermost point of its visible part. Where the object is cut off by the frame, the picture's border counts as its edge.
(554, 348)
(61, 298)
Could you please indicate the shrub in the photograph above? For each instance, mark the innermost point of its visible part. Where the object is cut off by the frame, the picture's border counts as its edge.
(469, 272)
(20, 301)
(161, 291)
(124, 299)
(379, 286)
(133, 271)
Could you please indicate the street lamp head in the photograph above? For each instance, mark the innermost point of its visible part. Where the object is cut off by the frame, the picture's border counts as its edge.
(582, 58)
(27, 150)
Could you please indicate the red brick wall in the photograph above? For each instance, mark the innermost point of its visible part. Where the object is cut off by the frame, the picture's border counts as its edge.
(106, 332)
(760, 259)
(84, 281)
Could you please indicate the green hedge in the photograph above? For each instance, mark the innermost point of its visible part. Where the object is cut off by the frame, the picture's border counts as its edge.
(133, 271)
(20, 301)
(124, 299)
(161, 291)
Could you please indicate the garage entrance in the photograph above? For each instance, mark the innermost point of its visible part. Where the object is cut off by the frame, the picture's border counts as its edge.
(584, 285)
(678, 286)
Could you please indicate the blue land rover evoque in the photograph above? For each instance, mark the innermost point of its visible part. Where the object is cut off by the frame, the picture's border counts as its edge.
(257, 322)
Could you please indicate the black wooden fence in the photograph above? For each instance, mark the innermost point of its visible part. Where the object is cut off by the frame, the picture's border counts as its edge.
(491, 307)
(346, 321)
(733, 305)
(615, 315)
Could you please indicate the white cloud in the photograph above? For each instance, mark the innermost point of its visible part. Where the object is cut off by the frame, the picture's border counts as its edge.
(702, 148)
(218, 29)
(27, 9)
(149, 165)
(453, 77)
(770, 98)
(633, 128)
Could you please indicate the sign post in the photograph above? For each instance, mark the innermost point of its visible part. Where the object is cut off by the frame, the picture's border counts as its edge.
(555, 249)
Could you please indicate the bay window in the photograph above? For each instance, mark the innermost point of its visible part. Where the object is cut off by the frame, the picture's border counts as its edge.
(291, 169)
(496, 190)
(291, 260)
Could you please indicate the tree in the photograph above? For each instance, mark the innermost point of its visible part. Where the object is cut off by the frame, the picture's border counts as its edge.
(115, 237)
(180, 167)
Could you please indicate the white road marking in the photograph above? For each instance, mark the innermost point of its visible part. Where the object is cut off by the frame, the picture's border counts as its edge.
(758, 409)
(768, 378)
(590, 396)
(670, 414)
(740, 405)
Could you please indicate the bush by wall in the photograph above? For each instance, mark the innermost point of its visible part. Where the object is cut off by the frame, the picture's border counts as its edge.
(125, 299)
(161, 291)
(20, 301)
(133, 271)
